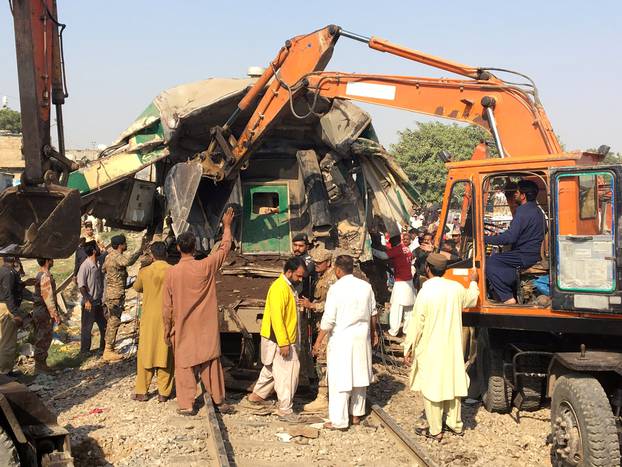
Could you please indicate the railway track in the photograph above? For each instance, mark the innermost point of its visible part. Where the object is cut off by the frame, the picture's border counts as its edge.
(215, 441)
(419, 457)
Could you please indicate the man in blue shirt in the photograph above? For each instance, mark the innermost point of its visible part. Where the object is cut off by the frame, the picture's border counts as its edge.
(525, 235)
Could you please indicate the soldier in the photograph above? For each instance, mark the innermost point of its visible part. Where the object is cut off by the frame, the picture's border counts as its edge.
(326, 277)
(44, 313)
(11, 317)
(115, 268)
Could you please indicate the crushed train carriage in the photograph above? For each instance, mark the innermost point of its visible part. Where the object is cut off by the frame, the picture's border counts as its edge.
(324, 175)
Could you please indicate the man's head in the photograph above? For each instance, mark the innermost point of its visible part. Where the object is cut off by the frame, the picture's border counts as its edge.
(322, 259)
(158, 251)
(344, 265)
(88, 228)
(449, 245)
(435, 265)
(300, 244)
(45, 262)
(90, 251)
(119, 243)
(406, 238)
(186, 243)
(526, 191)
(427, 238)
(294, 269)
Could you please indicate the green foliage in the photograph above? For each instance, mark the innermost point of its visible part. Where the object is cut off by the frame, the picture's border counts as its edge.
(10, 120)
(417, 152)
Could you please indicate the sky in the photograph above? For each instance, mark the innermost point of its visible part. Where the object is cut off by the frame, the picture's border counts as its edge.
(121, 54)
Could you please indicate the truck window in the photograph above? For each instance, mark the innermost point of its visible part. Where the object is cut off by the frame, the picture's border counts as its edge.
(457, 239)
(585, 233)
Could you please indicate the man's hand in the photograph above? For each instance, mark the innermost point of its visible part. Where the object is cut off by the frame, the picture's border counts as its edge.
(375, 339)
(57, 319)
(427, 247)
(168, 341)
(18, 321)
(305, 303)
(30, 281)
(88, 305)
(315, 351)
(227, 217)
(408, 359)
(284, 351)
(473, 275)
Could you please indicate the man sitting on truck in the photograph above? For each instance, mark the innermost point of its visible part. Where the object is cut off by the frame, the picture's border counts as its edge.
(525, 235)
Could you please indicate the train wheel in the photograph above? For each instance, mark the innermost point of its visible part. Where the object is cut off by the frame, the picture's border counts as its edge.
(583, 428)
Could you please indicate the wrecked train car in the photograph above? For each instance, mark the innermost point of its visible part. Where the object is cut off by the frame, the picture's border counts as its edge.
(321, 173)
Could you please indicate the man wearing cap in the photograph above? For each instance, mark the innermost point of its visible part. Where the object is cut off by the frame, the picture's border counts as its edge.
(326, 277)
(433, 345)
(115, 267)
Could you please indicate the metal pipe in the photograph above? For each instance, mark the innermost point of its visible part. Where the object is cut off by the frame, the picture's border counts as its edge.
(355, 36)
(60, 130)
(495, 132)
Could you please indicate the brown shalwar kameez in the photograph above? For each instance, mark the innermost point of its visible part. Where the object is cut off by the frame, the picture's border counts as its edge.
(190, 314)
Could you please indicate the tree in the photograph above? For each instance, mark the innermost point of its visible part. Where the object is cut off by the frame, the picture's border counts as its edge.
(417, 152)
(10, 120)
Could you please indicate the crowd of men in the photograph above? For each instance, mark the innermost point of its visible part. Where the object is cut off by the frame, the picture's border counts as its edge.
(179, 335)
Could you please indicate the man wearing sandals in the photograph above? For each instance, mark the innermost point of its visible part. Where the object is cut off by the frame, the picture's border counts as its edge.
(349, 318)
(190, 312)
(279, 342)
(434, 346)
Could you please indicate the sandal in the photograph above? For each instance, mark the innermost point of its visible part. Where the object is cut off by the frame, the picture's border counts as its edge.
(453, 432)
(186, 412)
(426, 432)
(329, 426)
(225, 409)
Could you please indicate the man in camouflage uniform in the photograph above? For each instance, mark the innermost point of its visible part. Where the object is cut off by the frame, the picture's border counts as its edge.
(44, 313)
(115, 268)
(326, 277)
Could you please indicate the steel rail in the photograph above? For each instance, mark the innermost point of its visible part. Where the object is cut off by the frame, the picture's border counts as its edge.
(418, 456)
(215, 441)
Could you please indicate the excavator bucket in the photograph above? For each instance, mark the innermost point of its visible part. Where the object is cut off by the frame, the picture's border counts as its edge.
(39, 222)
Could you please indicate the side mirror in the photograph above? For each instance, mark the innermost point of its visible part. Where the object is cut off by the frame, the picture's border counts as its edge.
(445, 156)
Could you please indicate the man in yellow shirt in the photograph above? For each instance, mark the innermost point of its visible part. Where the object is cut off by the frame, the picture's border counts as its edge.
(279, 341)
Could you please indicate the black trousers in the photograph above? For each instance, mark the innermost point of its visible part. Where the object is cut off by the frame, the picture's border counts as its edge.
(90, 317)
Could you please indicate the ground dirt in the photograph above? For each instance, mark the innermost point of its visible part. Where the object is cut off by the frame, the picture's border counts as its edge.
(107, 428)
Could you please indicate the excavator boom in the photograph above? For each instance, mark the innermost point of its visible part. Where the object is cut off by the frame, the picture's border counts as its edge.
(512, 113)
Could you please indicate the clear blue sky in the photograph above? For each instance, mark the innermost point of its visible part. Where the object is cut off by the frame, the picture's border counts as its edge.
(121, 54)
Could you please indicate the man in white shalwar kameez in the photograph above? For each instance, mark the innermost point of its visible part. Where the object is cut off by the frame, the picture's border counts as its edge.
(434, 345)
(350, 320)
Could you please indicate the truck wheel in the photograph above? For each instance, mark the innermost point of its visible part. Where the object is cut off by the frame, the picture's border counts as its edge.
(583, 429)
(8, 453)
(497, 396)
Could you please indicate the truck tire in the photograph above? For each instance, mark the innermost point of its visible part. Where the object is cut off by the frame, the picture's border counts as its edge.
(8, 452)
(497, 395)
(583, 428)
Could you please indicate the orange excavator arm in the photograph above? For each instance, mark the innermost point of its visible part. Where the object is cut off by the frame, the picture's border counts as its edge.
(512, 114)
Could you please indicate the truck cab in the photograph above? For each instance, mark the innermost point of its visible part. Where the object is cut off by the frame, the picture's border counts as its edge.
(562, 337)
